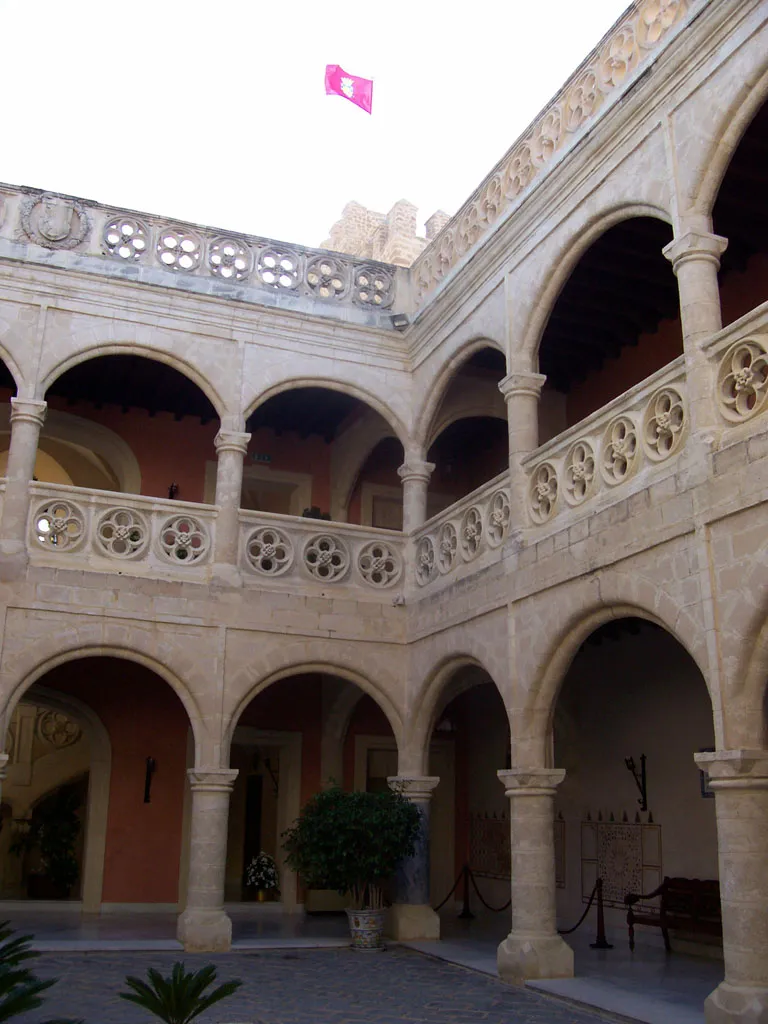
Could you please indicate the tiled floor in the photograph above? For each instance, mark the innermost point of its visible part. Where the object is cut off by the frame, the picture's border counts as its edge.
(302, 986)
(646, 986)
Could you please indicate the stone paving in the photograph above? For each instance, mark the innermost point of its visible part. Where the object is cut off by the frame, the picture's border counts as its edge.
(333, 986)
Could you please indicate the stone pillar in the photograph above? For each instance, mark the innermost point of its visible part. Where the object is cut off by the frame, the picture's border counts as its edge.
(695, 258)
(740, 781)
(415, 474)
(521, 392)
(411, 916)
(27, 418)
(231, 447)
(203, 926)
(533, 949)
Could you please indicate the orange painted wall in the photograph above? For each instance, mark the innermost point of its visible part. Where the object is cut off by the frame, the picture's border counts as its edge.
(742, 291)
(144, 718)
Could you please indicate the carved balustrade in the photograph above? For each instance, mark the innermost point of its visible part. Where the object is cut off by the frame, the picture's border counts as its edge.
(738, 358)
(465, 535)
(74, 527)
(611, 451)
(298, 551)
(141, 246)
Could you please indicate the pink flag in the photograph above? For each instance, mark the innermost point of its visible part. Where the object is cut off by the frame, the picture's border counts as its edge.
(339, 83)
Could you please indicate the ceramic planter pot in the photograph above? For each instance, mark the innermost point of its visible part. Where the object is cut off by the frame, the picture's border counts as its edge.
(367, 929)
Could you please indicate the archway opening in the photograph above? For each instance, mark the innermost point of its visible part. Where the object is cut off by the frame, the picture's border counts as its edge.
(631, 693)
(163, 418)
(468, 441)
(469, 819)
(739, 215)
(80, 744)
(312, 454)
(301, 733)
(615, 322)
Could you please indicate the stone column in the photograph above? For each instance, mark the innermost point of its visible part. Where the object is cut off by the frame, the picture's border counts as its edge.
(740, 781)
(411, 916)
(415, 474)
(521, 392)
(533, 949)
(231, 447)
(695, 258)
(204, 926)
(27, 418)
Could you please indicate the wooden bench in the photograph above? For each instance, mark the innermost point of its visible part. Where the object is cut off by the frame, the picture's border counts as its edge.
(689, 905)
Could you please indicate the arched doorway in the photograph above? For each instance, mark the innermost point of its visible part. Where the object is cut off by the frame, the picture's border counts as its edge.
(312, 454)
(107, 740)
(163, 418)
(615, 322)
(739, 215)
(632, 692)
(468, 440)
(304, 731)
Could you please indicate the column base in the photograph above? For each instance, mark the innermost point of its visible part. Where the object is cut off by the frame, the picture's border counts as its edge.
(410, 921)
(736, 1004)
(204, 931)
(523, 957)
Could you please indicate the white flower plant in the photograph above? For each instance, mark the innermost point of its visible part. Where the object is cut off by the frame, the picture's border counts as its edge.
(261, 873)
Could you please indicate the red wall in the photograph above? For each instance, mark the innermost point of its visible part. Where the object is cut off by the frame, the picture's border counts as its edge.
(367, 720)
(144, 718)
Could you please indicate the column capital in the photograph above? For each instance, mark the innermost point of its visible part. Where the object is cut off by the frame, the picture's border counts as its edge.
(735, 769)
(695, 246)
(231, 441)
(522, 383)
(212, 780)
(416, 469)
(4, 759)
(417, 788)
(530, 781)
(28, 410)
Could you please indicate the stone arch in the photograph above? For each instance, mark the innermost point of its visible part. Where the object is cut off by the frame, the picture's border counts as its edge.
(335, 728)
(300, 666)
(100, 751)
(187, 369)
(345, 387)
(733, 123)
(532, 725)
(27, 676)
(65, 426)
(435, 389)
(580, 239)
(748, 706)
(349, 454)
(441, 687)
(13, 369)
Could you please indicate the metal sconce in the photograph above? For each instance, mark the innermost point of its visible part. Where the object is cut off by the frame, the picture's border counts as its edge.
(151, 765)
(640, 779)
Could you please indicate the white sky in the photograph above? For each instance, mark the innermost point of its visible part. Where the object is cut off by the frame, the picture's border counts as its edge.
(215, 112)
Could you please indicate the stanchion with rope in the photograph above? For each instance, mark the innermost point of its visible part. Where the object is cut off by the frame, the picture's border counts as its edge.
(600, 941)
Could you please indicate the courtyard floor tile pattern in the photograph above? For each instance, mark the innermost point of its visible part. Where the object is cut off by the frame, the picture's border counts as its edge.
(329, 986)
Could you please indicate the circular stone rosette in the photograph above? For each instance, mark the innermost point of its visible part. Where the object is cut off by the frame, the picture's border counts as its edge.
(326, 558)
(59, 525)
(269, 551)
(379, 565)
(499, 515)
(122, 533)
(184, 539)
(425, 561)
(471, 532)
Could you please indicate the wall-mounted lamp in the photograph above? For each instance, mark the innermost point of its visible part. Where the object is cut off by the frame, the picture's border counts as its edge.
(151, 765)
(400, 321)
(640, 779)
(173, 490)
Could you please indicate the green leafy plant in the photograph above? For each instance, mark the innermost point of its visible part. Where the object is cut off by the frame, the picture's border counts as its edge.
(20, 990)
(181, 996)
(53, 830)
(352, 842)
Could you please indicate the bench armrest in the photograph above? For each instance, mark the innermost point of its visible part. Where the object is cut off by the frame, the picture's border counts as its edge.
(634, 897)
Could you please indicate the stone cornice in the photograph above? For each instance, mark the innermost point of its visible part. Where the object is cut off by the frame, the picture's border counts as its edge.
(605, 75)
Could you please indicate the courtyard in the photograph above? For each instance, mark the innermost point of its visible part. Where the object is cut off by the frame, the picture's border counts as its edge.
(319, 986)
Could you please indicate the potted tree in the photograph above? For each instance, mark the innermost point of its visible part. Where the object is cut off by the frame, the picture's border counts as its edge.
(261, 876)
(353, 843)
(52, 837)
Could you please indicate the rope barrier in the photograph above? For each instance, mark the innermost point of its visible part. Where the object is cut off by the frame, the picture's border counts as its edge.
(569, 931)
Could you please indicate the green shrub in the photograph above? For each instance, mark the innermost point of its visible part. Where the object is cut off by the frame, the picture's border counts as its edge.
(180, 997)
(20, 990)
(352, 842)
